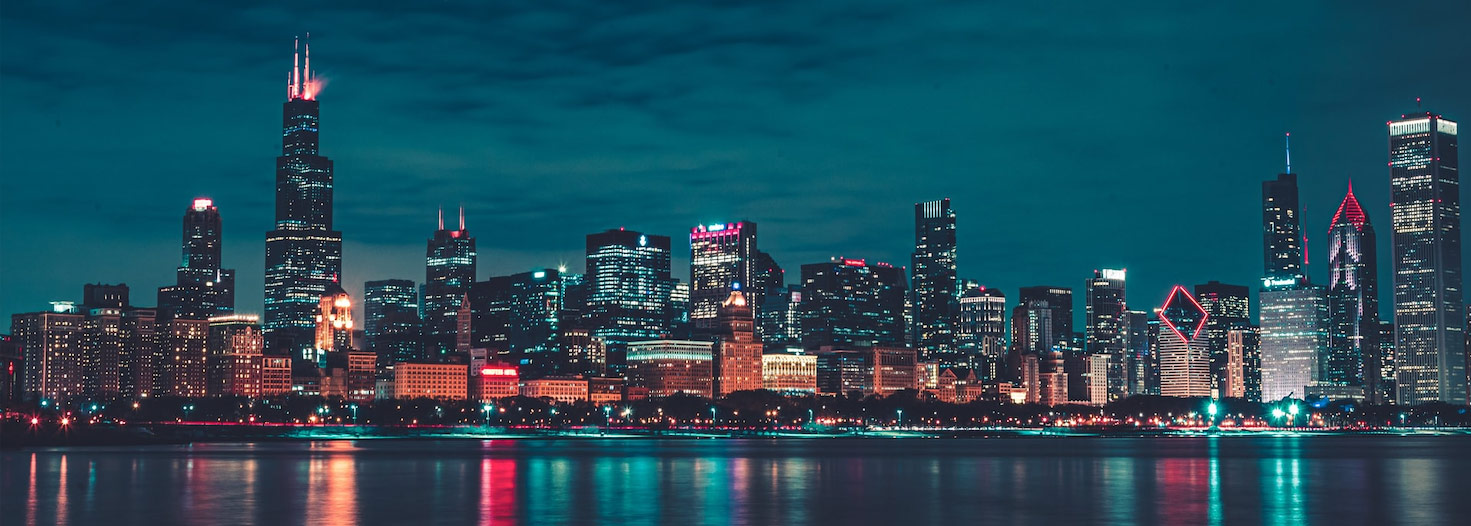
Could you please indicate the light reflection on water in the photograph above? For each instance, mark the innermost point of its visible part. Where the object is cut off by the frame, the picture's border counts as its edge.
(1022, 481)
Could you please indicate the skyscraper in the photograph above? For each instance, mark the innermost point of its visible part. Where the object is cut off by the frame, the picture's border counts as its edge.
(1106, 332)
(1294, 338)
(202, 289)
(1143, 371)
(449, 269)
(1353, 301)
(980, 334)
(520, 318)
(1228, 308)
(934, 287)
(1059, 303)
(780, 319)
(1425, 210)
(391, 320)
(1293, 311)
(1184, 364)
(1282, 243)
(721, 255)
(850, 302)
(737, 365)
(334, 323)
(303, 253)
(629, 289)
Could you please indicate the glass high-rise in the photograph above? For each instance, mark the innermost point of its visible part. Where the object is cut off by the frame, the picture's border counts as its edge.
(850, 303)
(629, 289)
(721, 256)
(1353, 301)
(202, 288)
(1184, 363)
(980, 334)
(1229, 309)
(391, 320)
(1425, 211)
(449, 269)
(1105, 331)
(303, 252)
(934, 287)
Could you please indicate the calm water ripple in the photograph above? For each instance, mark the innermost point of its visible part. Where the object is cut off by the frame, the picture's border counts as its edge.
(1016, 481)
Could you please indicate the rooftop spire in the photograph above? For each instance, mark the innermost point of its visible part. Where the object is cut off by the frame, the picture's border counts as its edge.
(462, 217)
(441, 218)
(1350, 210)
(1287, 145)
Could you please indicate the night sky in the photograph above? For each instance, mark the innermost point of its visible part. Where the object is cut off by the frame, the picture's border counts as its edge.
(1070, 136)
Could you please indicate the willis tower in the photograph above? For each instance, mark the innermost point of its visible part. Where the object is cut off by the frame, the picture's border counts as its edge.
(303, 253)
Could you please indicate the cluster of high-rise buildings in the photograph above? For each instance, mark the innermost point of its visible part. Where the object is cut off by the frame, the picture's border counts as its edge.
(627, 327)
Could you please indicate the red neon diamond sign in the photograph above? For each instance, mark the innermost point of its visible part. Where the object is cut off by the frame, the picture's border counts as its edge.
(1181, 310)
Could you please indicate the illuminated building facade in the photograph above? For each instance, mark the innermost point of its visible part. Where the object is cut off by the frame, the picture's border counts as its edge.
(334, 323)
(850, 302)
(670, 367)
(51, 342)
(494, 382)
(1425, 211)
(1106, 334)
(980, 332)
(559, 389)
(520, 319)
(202, 289)
(1143, 360)
(1294, 338)
(845, 372)
(1353, 301)
(233, 355)
(184, 367)
(934, 284)
(779, 321)
(449, 271)
(1282, 227)
(303, 252)
(391, 320)
(445, 381)
(1184, 361)
(629, 288)
(893, 369)
(722, 256)
(1229, 309)
(789, 372)
(737, 365)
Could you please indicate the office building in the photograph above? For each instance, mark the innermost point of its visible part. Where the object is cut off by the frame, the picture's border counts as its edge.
(1352, 357)
(334, 324)
(391, 323)
(980, 332)
(520, 319)
(850, 302)
(1106, 334)
(791, 373)
(303, 252)
(449, 270)
(1228, 308)
(1183, 361)
(1425, 211)
(670, 367)
(722, 256)
(1294, 338)
(893, 369)
(202, 288)
(446, 381)
(234, 355)
(737, 360)
(629, 290)
(934, 288)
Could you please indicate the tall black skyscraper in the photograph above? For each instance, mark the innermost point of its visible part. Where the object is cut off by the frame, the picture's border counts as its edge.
(202, 289)
(449, 269)
(1059, 303)
(934, 289)
(303, 253)
(1282, 232)
(1106, 331)
(1425, 210)
(1353, 301)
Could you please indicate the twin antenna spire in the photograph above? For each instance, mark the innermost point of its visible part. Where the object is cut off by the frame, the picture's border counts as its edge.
(462, 218)
(301, 81)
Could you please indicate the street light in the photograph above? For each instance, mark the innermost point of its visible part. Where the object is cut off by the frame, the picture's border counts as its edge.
(486, 409)
(901, 418)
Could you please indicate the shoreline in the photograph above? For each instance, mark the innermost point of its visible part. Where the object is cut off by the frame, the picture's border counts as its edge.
(187, 433)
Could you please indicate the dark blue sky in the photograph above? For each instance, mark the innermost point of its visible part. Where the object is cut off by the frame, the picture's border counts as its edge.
(1071, 136)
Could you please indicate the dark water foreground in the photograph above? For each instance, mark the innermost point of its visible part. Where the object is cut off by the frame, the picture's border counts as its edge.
(1037, 480)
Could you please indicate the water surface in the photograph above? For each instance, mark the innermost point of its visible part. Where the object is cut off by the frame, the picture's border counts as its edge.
(1018, 481)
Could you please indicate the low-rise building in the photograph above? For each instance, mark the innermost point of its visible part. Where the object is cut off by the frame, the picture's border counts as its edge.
(561, 389)
(670, 367)
(789, 372)
(497, 381)
(445, 381)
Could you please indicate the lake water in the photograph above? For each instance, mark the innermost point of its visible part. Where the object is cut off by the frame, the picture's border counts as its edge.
(1017, 481)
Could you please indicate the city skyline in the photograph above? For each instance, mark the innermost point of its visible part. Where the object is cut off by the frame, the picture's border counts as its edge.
(998, 246)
